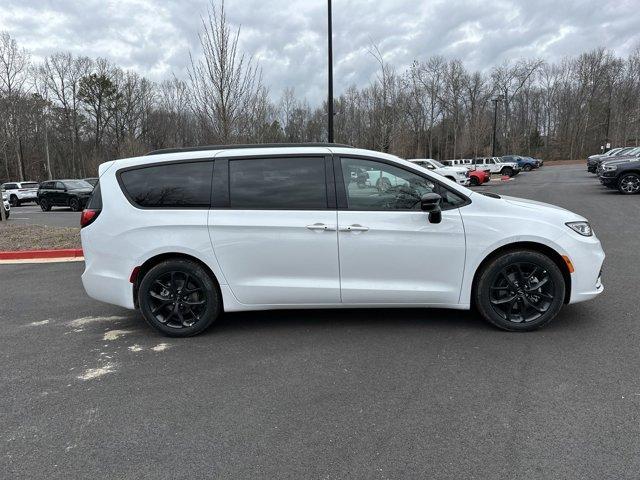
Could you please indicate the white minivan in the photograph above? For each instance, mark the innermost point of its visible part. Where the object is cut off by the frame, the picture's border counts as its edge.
(186, 234)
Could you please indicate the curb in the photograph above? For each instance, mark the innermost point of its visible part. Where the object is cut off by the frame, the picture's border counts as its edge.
(41, 254)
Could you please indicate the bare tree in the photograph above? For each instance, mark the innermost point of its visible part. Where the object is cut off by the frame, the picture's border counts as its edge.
(14, 69)
(224, 82)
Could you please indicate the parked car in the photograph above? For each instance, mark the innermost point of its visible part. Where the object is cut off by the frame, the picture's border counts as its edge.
(21, 192)
(7, 206)
(277, 227)
(496, 165)
(455, 174)
(478, 177)
(64, 193)
(594, 160)
(525, 163)
(622, 174)
(91, 181)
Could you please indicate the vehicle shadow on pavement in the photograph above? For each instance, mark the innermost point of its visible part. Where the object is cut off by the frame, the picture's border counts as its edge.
(387, 318)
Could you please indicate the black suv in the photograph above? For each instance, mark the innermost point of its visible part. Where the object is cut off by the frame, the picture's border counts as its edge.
(594, 162)
(623, 174)
(64, 193)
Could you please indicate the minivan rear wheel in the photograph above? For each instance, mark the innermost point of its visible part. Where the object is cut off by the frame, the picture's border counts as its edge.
(520, 290)
(179, 298)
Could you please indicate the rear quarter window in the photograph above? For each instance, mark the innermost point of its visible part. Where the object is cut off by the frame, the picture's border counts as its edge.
(175, 185)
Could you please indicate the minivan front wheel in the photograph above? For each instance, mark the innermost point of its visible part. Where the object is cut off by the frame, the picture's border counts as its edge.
(179, 298)
(520, 291)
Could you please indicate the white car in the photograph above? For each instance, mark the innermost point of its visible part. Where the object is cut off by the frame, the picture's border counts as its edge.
(5, 203)
(496, 165)
(21, 192)
(459, 175)
(185, 234)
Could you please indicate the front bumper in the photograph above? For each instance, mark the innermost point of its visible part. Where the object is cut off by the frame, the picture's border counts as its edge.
(587, 257)
(611, 182)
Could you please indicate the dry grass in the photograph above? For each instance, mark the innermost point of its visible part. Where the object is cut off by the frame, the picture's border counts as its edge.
(37, 237)
(552, 163)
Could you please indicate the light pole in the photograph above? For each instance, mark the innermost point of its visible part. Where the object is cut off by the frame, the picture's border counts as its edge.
(495, 123)
(330, 77)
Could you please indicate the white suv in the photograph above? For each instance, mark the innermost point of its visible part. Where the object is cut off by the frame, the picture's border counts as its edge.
(186, 234)
(21, 192)
(455, 174)
(496, 165)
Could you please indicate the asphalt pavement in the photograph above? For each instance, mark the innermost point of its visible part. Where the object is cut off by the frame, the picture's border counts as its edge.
(32, 214)
(90, 391)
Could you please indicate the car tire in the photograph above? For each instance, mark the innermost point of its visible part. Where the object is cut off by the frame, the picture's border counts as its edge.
(44, 205)
(507, 293)
(14, 201)
(508, 171)
(629, 184)
(474, 181)
(527, 168)
(164, 305)
(74, 204)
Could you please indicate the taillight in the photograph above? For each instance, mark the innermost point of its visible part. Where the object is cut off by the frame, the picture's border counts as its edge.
(88, 217)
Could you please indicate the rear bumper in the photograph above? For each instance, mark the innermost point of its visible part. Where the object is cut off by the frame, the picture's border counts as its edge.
(27, 196)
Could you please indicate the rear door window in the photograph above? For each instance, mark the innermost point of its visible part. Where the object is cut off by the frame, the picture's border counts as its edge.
(175, 185)
(285, 183)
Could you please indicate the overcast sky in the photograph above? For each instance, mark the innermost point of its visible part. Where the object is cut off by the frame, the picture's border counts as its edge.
(288, 37)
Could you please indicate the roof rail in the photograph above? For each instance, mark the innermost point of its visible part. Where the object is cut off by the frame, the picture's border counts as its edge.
(247, 145)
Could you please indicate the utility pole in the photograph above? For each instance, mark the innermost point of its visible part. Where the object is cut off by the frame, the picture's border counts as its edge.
(330, 76)
(495, 123)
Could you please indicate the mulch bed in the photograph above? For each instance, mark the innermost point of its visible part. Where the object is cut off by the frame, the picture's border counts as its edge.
(37, 237)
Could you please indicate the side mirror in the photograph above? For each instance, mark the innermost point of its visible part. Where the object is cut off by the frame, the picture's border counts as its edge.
(430, 202)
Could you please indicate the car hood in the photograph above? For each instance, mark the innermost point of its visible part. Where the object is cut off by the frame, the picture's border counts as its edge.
(454, 169)
(620, 160)
(541, 208)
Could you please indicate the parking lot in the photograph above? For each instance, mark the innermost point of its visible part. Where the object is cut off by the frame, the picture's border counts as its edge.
(31, 214)
(89, 390)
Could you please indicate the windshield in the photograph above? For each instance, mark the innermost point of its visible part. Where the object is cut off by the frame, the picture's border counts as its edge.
(437, 163)
(77, 184)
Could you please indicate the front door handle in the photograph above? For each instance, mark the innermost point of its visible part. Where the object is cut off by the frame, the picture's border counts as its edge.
(353, 228)
(321, 226)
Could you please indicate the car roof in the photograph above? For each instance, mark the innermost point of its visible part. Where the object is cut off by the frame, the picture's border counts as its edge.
(197, 153)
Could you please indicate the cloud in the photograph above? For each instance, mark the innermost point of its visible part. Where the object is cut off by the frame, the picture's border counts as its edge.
(288, 37)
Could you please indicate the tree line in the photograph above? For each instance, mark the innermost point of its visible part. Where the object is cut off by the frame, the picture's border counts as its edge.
(65, 115)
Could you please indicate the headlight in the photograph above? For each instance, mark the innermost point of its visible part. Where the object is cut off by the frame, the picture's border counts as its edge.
(583, 228)
(609, 168)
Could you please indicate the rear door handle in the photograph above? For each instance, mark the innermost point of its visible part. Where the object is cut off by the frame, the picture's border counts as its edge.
(353, 228)
(321, 226)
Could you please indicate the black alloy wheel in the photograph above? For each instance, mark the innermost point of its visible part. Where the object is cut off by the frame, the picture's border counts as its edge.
(74, 204)
(13, 201)
(508, 171)
(629, 184)
(474, 181)
(179, 298)
(44, 205)
(520, 291)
